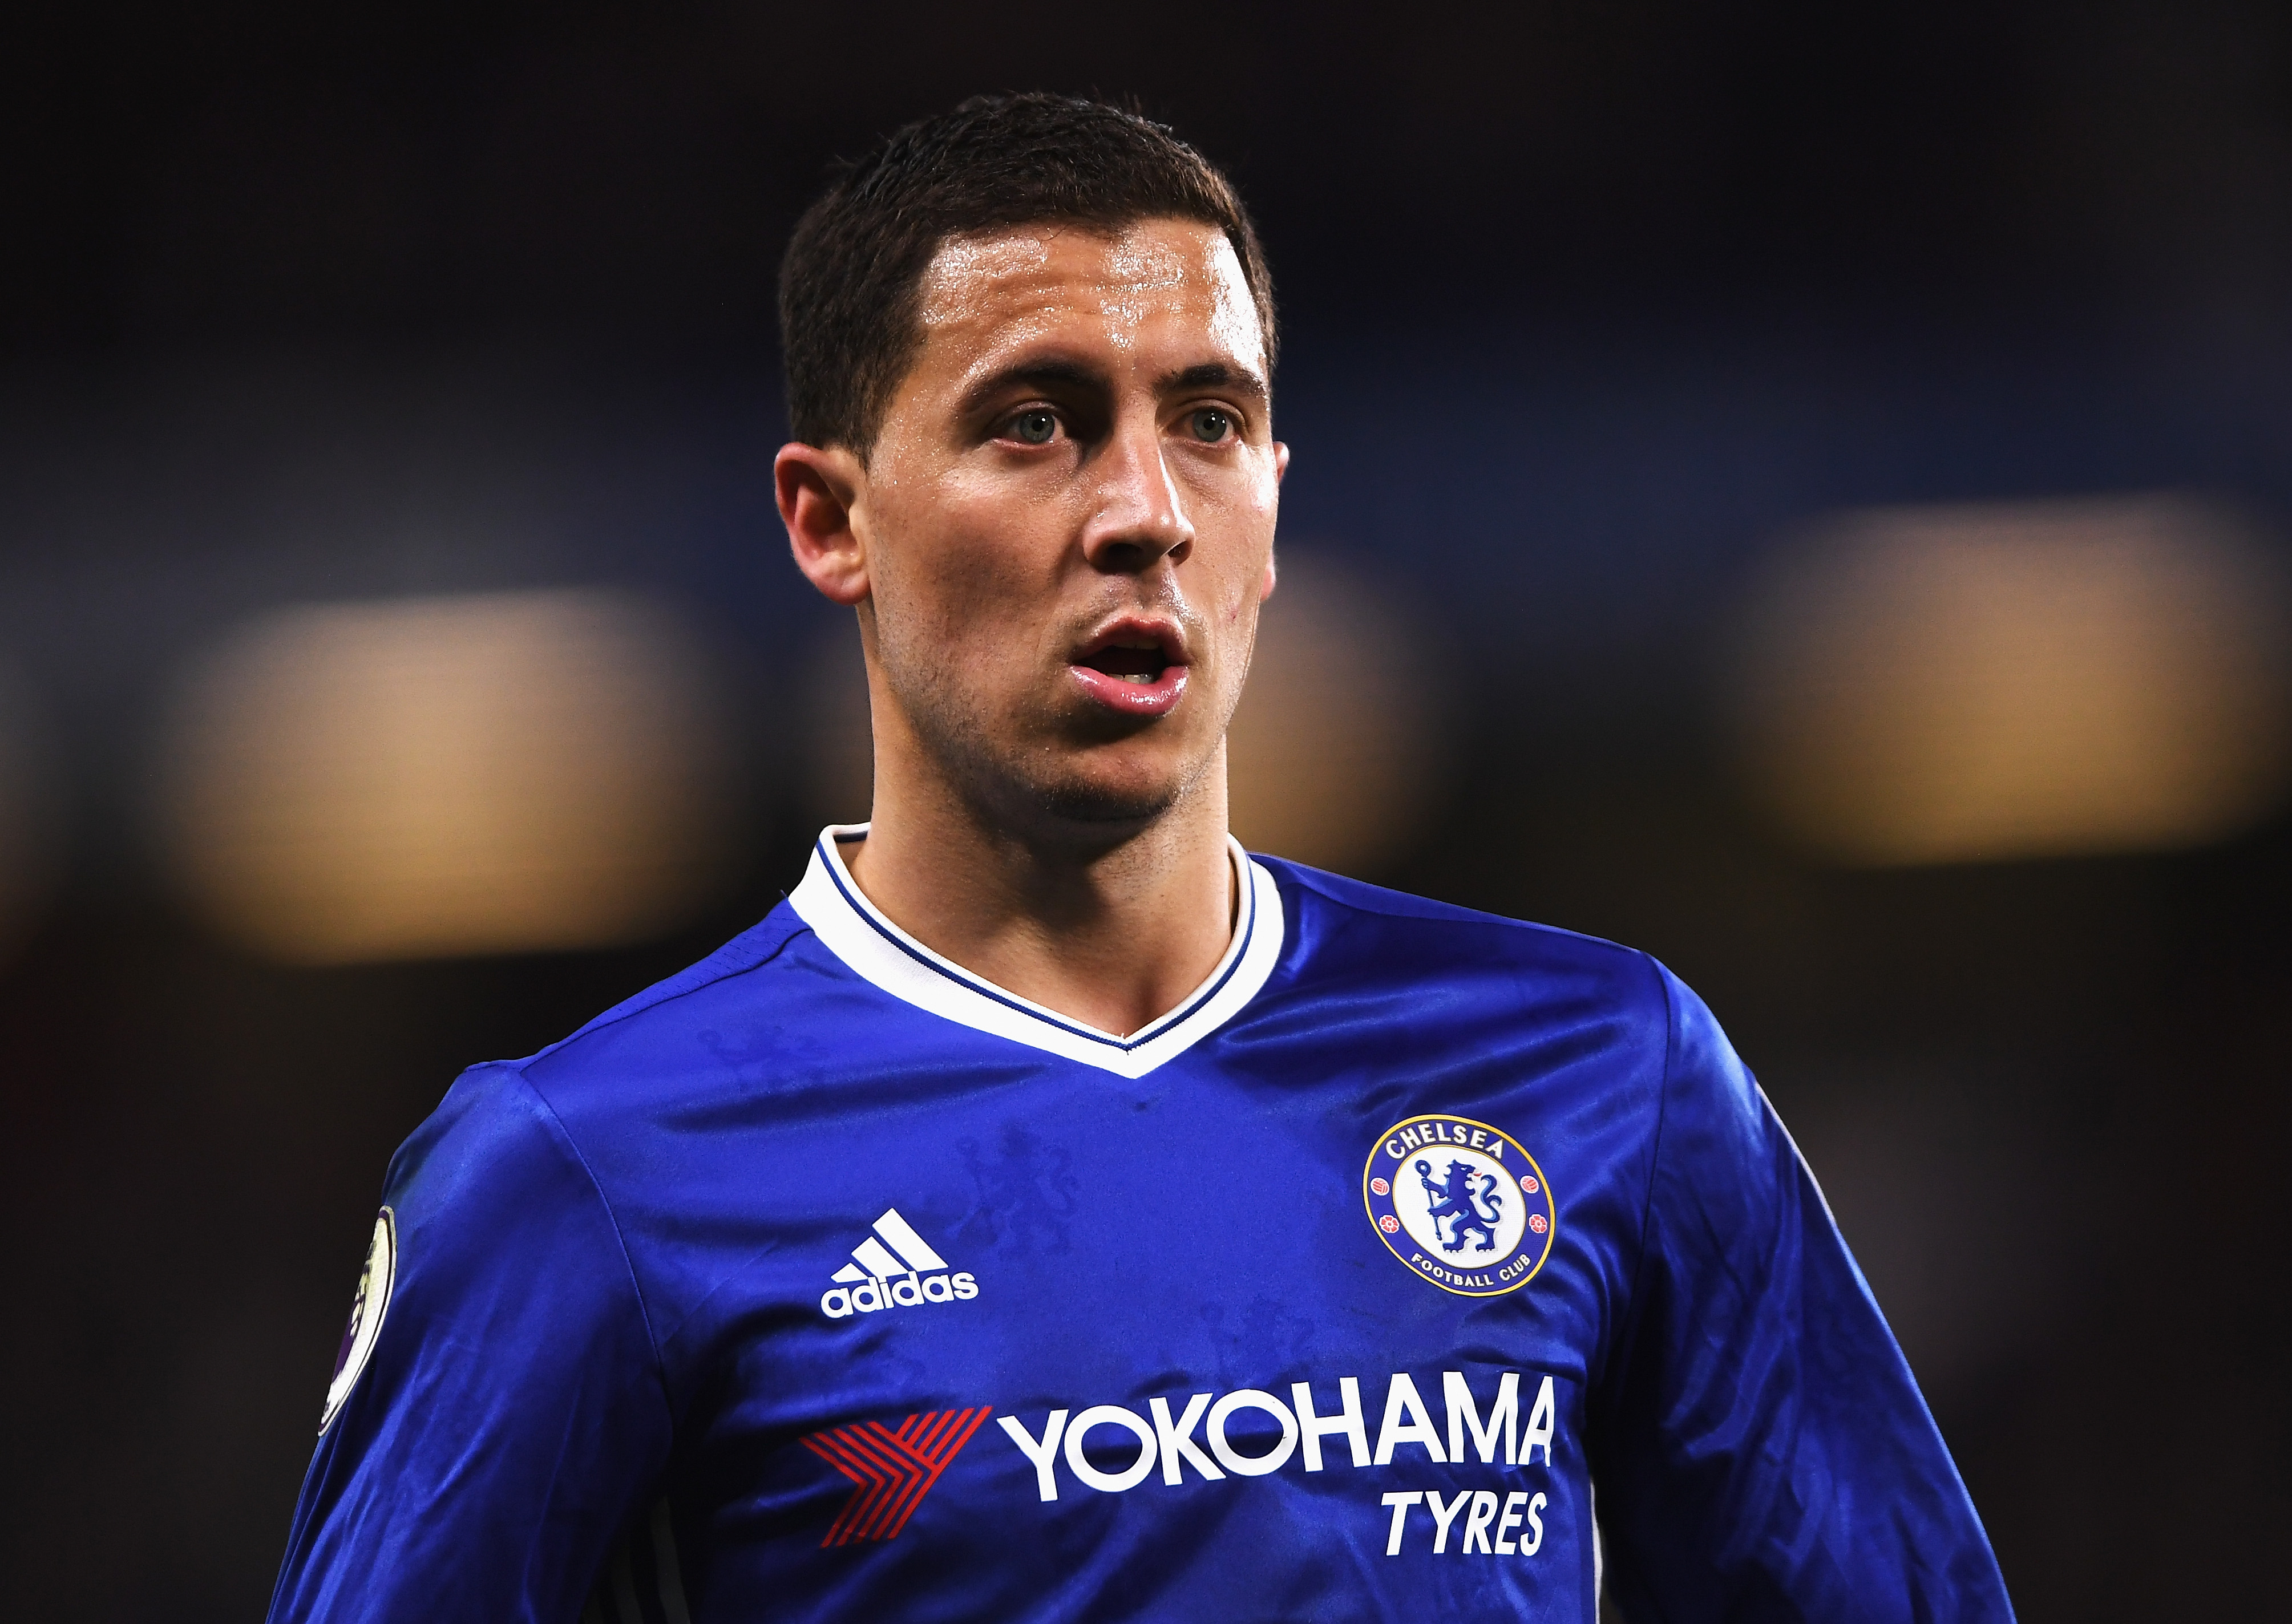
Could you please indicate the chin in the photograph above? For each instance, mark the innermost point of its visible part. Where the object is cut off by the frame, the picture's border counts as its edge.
(1060, 783)
(1094, 800)
(1103, 805)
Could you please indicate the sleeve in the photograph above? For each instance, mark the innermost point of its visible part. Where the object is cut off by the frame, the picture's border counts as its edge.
(509, 1414)
(1762, 1450)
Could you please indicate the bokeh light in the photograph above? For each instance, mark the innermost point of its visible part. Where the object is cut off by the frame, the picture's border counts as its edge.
(1334, 751)
(1952, 684)
(438, 776)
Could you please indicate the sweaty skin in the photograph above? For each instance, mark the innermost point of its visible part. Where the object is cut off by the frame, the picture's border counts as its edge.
(1058, 545)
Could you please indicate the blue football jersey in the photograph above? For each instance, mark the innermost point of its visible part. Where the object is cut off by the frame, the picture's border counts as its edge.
(828, 1280)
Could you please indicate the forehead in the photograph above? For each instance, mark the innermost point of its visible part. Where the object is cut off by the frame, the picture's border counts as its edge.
(1158, 280)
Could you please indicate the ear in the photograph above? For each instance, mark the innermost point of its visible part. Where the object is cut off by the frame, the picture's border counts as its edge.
(817, 489)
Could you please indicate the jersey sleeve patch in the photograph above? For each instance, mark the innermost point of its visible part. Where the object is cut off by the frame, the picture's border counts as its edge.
(367, 1312)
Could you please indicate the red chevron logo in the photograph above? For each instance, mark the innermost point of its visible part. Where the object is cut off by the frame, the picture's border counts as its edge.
(894, 1467)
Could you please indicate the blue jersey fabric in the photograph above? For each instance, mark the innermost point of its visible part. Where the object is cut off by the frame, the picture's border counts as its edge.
(825, 1281)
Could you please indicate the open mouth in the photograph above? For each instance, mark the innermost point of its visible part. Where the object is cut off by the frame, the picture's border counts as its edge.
(1135, 667)
(1132, 662)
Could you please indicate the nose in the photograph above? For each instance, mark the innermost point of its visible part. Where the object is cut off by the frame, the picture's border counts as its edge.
(1139, 518)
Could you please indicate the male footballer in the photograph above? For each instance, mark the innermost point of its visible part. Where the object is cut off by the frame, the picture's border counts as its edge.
(1051, 1212)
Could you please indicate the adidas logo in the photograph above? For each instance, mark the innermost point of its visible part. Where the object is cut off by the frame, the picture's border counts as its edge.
(894, 1268)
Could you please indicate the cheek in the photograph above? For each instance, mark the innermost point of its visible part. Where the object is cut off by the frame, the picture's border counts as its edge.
(1238, 505)
(1248, 548)
(1241, 603)
(958, 552)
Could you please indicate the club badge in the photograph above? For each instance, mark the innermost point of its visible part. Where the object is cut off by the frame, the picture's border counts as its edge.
(1460, 1202)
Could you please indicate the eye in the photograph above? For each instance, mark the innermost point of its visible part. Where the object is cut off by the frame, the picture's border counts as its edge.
(1035, 427)
(1210, 424)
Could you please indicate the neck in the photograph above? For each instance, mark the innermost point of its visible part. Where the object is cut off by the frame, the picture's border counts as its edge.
(1110, 934)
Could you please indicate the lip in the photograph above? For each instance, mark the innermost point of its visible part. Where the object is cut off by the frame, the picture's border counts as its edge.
(1134, 695)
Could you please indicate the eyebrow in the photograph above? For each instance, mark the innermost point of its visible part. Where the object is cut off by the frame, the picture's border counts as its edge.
(1212, 374)
(1073, 374)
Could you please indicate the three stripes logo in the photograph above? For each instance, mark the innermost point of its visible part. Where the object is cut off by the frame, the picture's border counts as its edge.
(892, 1467)
(894, 1268)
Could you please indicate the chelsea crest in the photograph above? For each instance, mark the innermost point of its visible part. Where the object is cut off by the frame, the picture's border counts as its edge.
(1460, 1202)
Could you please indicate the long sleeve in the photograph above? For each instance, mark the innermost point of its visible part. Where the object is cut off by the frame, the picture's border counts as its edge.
(511, 1416)
(1762, 1450)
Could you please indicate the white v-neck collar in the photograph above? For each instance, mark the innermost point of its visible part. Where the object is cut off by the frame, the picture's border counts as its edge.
(873, 948)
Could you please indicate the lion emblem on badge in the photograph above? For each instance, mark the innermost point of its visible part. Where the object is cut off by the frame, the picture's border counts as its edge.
(1463, 1204)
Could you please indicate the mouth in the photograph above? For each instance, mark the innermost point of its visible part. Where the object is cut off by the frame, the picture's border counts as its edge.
(1135, 667)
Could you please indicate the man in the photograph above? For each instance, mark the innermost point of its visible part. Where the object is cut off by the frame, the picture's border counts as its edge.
(1052, 1212)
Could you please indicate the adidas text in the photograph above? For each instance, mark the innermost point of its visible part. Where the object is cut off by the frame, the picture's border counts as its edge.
(872, 1296)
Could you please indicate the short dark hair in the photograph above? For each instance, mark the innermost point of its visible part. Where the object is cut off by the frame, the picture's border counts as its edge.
(853, 273)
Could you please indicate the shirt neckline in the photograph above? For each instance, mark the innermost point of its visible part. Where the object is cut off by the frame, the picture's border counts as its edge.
(877, 950)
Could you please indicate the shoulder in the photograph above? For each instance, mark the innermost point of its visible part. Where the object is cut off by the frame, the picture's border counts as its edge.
(731, 968)
(491, 1185)
(637, 1057)
(1345, 925)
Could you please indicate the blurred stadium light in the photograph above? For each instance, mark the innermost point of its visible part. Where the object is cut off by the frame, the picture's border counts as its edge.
(1953, 684)
(438, 777)
(1335, 746)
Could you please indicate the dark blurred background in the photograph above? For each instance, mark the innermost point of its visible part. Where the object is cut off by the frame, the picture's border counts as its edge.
(1798, 489)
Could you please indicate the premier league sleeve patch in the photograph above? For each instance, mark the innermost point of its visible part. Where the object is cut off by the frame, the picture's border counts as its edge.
(366, 1309)
(1462, 1203)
